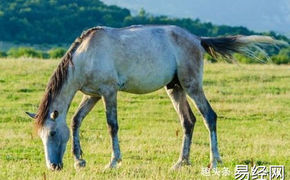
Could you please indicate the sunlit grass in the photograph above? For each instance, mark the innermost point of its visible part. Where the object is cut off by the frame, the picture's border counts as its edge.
(252, 102)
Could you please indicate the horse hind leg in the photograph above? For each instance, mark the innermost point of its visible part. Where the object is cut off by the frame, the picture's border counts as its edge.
(187, 120)
(190, 73)
(195, 91)
(84, 108)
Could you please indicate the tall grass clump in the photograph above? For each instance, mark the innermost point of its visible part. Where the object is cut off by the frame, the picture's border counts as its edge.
(283, 57)
(56, 52)
(26, 52)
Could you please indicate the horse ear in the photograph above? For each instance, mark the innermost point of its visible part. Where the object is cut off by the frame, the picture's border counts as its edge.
(32, 115)
(53, 115)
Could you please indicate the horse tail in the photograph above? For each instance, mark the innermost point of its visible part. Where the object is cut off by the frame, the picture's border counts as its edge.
(246, 45)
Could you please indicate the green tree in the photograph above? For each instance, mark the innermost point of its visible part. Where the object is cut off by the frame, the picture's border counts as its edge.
(25, 52)
(61, 21)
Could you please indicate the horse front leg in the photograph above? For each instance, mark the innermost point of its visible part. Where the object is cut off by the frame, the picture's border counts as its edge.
(110, 101)
(187, 120)
(88, 102)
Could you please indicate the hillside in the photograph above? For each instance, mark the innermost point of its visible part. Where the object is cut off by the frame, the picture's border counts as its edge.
(61, 21)
(54, 21)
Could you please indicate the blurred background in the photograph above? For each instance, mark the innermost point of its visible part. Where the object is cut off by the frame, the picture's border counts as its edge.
(45, 28)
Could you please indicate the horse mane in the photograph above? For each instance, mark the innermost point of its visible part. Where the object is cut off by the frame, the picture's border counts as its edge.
(58, 78)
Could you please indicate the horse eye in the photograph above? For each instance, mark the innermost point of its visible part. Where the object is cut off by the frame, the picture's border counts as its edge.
(52, 133)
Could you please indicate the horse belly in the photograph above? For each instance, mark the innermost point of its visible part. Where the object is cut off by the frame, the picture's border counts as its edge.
(148, 77)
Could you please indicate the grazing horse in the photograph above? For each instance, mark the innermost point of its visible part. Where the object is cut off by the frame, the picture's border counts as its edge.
(135, 59)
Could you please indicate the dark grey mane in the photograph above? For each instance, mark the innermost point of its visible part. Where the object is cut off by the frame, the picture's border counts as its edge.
(58, 78)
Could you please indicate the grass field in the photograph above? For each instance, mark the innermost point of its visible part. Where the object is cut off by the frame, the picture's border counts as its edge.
(252, 102)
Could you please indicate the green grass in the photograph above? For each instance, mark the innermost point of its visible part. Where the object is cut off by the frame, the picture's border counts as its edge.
(252, 102)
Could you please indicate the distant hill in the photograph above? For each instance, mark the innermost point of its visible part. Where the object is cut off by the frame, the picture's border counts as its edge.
(61, 21)
(54, 21)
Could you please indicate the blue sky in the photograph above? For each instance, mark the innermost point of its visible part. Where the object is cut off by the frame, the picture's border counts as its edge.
(258, 15)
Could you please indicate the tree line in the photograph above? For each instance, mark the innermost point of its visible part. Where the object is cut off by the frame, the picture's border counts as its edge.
(59, 22)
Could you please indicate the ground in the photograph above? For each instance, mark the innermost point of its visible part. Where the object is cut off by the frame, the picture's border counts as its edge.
(252, 103)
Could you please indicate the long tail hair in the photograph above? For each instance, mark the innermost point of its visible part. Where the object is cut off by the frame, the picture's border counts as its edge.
(246, 45)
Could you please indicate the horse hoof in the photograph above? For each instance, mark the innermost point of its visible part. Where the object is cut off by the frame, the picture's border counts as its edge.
(80, 164)
(176, 167)
(179, 164)
(213, 164)
(114, 164)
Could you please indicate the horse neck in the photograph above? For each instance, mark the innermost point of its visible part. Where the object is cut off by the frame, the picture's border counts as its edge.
(62, 101)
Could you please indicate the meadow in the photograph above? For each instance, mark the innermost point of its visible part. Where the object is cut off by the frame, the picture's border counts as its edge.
(252, 103)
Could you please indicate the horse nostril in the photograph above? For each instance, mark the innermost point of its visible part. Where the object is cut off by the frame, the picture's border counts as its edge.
(52, 133)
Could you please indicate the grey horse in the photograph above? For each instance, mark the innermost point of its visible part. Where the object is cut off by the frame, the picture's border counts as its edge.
(135, 59)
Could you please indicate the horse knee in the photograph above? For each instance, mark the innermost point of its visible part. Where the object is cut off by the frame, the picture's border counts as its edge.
(188, 123)
(188, 126)
(191, 115)
(76, 122)
(113, 127)
(211, 118)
